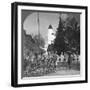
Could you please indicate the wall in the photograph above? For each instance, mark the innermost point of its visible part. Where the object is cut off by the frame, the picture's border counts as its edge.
(5, 46)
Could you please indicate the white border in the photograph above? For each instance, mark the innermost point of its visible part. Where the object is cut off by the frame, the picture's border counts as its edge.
(55, 78)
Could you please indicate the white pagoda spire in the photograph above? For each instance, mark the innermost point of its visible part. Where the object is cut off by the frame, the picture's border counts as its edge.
(51, 34)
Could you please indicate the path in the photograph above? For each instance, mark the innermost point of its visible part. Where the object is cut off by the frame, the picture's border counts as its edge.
(65, 72)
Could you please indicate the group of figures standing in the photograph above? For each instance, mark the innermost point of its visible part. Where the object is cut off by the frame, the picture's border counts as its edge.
(42, 64)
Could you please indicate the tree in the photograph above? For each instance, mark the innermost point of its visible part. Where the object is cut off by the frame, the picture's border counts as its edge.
(67, 36)
(72, 35)
(39, 40)
(59, 43)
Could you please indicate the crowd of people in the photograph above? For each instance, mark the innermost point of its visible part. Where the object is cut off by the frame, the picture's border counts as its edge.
(42, 64)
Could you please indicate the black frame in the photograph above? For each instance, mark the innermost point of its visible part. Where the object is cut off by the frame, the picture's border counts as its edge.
(14, 43)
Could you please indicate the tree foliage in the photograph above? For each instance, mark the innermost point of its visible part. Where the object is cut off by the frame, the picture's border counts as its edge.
(32, 44)
(68, 36)
(39, 40)
(59, 43)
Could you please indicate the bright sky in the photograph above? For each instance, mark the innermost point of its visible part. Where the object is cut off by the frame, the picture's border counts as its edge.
(31, 25)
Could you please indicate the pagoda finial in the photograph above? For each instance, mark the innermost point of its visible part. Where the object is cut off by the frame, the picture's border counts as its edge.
(50, 27)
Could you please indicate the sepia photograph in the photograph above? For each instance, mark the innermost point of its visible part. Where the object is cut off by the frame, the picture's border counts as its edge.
(49, 44)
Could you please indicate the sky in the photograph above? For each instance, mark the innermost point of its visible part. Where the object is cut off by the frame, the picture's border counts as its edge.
(30, 24)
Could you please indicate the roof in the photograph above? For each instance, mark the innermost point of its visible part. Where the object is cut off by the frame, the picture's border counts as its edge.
(50, 27)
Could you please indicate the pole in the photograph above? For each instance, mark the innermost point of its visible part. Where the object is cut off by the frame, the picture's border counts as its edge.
(38, 27)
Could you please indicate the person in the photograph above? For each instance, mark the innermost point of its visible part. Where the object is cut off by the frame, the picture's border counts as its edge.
(62, 57)
(66, 57)
(69, 61)
(57, 60)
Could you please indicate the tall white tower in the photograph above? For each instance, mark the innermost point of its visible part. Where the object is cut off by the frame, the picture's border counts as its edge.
(51, 35)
